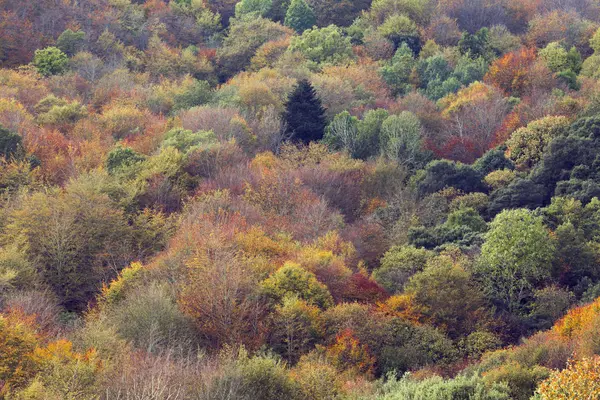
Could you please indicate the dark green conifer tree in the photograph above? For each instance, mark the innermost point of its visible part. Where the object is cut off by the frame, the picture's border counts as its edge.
(304, 115)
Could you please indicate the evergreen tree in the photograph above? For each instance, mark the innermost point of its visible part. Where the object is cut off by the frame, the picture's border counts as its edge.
(10, 143)
(300, 16)
(304, 114)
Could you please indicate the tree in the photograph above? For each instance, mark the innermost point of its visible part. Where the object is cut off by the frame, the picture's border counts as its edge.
(475, 45)
(400, 29)
(397, 72)
(292, 279)
(10, 143)
(50, 61)
(245, 36)
(323, 46)
(509, 73)
(465, 386)
(17, 342)
(474, 115)
(296, 327)
(516, 257)
(398, 265)
(519, 193)
(304, 115)
(342, 133)
(439, 174)
(526, 145)
(401, 140)
(337, 12)
(555, 56)
(70, 42)
(75, 239)
(300, 16)
(120, 158)
(253, 8)
(64, 373)
(493, 160)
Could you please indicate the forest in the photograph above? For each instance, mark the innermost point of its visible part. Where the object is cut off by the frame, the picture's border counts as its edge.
(299, 199)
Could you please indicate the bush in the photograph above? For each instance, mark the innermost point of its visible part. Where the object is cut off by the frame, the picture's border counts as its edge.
(521, 380)
(578, 381)
(437, 388)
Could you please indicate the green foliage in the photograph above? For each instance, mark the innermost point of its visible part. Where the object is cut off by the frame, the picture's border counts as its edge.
(516, 257)
(121, 158)
(10, 143)
(397, 72)
(263, 377)
(300, 16)
(442, 173)
(198, 94)
(253, 8)
(519, 193)
(342, 133)
(187, 141)
(304, 115)
(401, 140)
(526, 145)
(409, 347)
(398, 265)
(323, 46)
(148, 317)
(50, 61)
(555, 56)
(292, 279)
(521, 380)
(400, 29)
(369, 132)
(245, 36)
(466, 217)
(437, 388)
(446, 295)
(70, 42)
(575, 257)
(296, 328)
(62, 114)
(73, 237)
(476, 45)
(493, 160)
(549, 304)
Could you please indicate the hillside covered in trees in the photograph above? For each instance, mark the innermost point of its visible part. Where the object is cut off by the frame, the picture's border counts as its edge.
(299, 199)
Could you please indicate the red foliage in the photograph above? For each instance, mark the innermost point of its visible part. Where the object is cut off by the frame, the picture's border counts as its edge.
(509, 73)
(362, 289)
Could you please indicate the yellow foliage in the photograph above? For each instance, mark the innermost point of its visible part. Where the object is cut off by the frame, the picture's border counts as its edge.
(580, 380)
(577, 320)
(115, 290)
(477, 91)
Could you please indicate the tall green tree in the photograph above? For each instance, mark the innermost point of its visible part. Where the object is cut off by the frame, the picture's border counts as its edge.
(300, 16)
(304, 115)
(516, 257)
